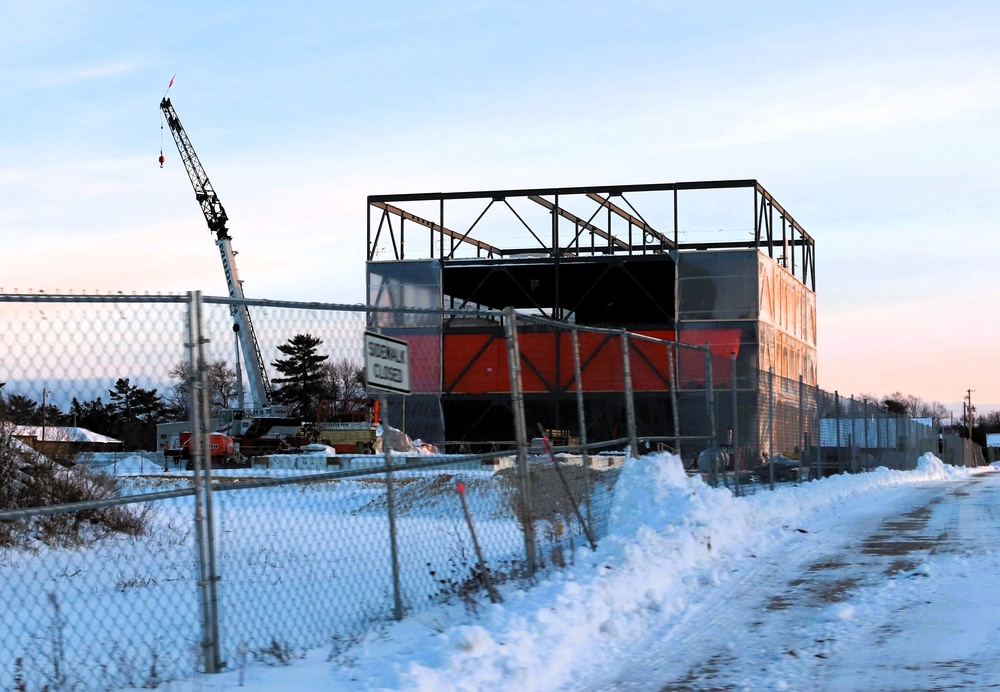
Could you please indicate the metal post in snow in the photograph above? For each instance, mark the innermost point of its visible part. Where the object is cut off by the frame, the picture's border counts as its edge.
(802, 426)
(710, 399)
(483, 570)
(582, 421)
(397, 595)
(878, 433)
(853, 435)
(815, 473)
(672, 376)
(213, 574)
(390, 496)
(520, 436)
(197, 397)
(770, 426)
(629, 396)
(736, 434)
(866, 445)
(836, 405)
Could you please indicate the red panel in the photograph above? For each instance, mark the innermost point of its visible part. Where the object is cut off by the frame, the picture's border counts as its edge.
(477, 363)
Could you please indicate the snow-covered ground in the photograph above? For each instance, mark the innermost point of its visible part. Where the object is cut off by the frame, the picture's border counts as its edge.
(873, 581)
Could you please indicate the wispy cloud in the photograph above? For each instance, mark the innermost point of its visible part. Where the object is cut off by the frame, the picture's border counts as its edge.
(60, 75)
(818, 109)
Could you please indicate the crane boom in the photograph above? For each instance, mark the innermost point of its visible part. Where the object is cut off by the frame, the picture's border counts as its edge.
(215, 215)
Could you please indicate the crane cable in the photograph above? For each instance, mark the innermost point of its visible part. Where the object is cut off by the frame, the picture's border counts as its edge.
(162, 159)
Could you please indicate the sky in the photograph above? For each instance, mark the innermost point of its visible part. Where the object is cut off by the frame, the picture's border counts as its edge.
(872, 123)
(696, 589)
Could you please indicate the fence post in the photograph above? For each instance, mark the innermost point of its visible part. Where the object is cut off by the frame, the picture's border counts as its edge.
(710, 399)
(816, 472)
(802, 426)
(520, 435)
(672, 374)
(712, 436)
(878, 433)
(582, 419)
(397, 595)
(198, 402)
(867, 444)
(853, 435)
(836, 404)
(736, 433)
(633, 440)
(770, 426)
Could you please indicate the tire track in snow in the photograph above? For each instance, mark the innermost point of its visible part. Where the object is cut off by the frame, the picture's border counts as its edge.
(766, 623)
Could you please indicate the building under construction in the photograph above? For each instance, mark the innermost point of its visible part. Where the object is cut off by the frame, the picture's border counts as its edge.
(716, 262)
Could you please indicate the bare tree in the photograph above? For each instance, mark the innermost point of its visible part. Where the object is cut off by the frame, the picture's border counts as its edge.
(344, 379)
(914, 406)
(221, 388)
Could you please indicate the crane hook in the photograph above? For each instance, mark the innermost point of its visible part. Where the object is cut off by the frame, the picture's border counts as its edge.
(161, 158)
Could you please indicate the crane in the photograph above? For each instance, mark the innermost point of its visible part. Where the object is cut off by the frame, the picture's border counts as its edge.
(215, 215)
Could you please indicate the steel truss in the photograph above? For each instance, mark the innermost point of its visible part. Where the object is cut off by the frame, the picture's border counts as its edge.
(604, 222)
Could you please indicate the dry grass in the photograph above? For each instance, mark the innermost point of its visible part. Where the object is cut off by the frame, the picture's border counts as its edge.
(29, 480)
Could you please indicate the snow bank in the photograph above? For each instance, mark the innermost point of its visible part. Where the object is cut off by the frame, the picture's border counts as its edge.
(668, 534)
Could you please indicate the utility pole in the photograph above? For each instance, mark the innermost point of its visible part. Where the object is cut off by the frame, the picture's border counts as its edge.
(969, 409)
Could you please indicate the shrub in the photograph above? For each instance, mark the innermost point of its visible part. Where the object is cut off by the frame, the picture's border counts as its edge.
(29, 480)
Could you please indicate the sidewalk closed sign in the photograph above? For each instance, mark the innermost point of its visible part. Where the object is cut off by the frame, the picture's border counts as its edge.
(387, 363)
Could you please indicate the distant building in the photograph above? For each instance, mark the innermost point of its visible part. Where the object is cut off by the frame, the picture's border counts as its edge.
(63, 442)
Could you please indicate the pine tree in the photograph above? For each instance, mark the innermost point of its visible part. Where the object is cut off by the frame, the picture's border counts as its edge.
(136, 412)
(93, 415)
(302, 386)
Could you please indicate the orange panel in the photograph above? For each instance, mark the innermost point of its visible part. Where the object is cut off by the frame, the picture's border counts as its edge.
(477, 363)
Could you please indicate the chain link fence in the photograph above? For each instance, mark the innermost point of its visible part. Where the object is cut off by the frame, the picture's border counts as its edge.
(138, 547)
(786, 430)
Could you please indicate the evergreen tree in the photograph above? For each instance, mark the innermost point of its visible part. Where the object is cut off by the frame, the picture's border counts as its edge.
(136, 412)
(302, 386)
(20, 410)
(93, 415)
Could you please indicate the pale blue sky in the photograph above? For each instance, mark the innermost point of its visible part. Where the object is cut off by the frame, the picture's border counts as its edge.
(874, 123)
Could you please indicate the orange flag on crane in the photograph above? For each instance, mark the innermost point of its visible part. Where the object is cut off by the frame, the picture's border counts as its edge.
(171, 81)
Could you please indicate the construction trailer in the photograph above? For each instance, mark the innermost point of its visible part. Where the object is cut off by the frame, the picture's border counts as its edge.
(716, 262)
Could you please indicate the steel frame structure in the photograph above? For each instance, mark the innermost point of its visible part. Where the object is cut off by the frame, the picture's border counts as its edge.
(774, 229)
(596, 256)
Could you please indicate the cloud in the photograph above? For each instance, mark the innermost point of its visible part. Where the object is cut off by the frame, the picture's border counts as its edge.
(818, 108)
(62, 75)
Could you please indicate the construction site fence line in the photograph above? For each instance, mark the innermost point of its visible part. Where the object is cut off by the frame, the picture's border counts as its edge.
(248, 302)
(430, 461)
(247, 485)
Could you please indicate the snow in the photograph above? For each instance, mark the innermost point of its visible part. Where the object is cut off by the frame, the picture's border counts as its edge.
(673, 542)
(61, 434)
(770, 591)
